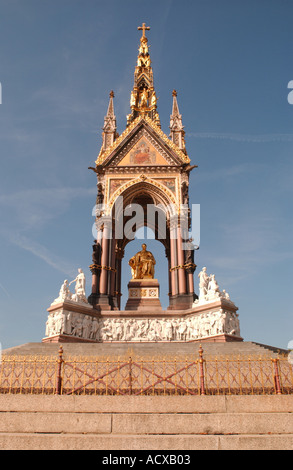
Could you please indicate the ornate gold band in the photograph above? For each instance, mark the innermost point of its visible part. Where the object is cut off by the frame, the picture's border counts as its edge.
(183, 266)
(107, 268)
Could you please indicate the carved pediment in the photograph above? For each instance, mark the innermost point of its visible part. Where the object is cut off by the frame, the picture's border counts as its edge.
(142, 144)
(144, 151)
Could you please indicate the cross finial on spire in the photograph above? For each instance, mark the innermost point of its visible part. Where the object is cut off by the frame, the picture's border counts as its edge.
(143, 28)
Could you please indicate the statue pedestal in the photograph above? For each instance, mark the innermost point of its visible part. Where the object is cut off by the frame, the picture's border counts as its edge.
(143, 294)
(70, 321)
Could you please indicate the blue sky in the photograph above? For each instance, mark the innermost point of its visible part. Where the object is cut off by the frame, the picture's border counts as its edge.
(230, 62)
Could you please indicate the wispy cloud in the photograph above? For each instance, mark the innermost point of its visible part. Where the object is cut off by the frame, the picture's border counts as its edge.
(65, 106)
(246, 248)
(34, 208)
(249, 138)
(26, 212)
(226, 172)
(4, 290)
(43, 253)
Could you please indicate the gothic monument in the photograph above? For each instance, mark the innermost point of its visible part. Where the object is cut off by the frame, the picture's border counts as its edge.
(143, 168)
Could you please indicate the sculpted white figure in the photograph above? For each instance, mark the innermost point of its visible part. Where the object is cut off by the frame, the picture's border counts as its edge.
(175, 324)
(158, 330)
(54, 324)
(77, 330)
(133, 329)
(47, 331)
(59, 322)
(233, 325)
(142, 332)
(74, 322)
(94, 329)
(151, 331)
(222, 322)
(126, 336)
(86, 326)
(50, 325)
(68, 323)
(79, 295)
(64, 293)
(189, 331)
(168, 330)
(209, 289)
(117, 326)
(203, 283)
(207, 324)
(225, 295)
(195, 327)
(213, 288)
(182, 330)
(106, 331)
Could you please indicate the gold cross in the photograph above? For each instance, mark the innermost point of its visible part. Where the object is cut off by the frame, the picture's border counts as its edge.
(143, 28)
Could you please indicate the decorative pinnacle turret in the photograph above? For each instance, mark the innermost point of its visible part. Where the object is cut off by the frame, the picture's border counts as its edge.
(110, 127)
(175, 108)
(143, 99)
(176, 126)
(110, 112)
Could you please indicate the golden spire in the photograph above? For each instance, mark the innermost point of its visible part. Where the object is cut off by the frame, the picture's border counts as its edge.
(143, 57)
(143, 99)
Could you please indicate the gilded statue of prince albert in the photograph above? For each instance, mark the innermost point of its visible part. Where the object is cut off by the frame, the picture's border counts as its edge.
(142, 264)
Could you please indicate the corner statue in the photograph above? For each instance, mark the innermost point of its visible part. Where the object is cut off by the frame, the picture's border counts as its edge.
(79, 295)
(142, 264)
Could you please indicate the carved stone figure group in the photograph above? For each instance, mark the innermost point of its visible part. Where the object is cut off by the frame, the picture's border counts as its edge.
(193, 326)
(117, 329)
(79, 294)
(209, 288)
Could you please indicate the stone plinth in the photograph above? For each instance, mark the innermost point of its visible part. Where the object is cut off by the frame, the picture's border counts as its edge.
(213, 321)
(213, 317)
(143, 294)
(70, 321)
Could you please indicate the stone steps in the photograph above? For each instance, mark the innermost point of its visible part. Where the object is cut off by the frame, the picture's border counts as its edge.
(146, 423)
(144, 349)
(168, 423)
(185, 442)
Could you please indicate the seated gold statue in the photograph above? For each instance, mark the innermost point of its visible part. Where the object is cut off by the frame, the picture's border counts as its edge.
(142, 264)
